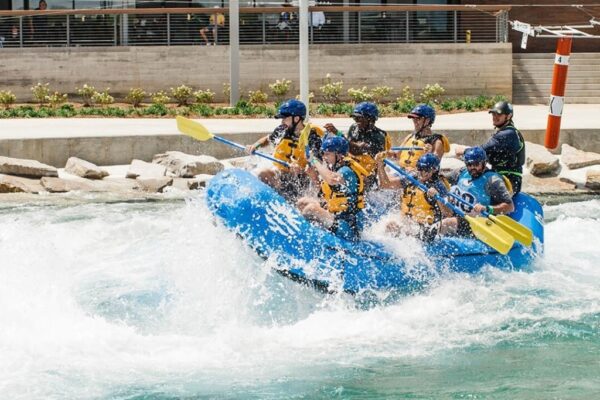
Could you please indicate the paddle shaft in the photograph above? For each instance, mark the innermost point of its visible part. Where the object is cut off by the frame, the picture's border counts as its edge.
(399, 148)
(466, 203)
(418, 184)
(258, 153)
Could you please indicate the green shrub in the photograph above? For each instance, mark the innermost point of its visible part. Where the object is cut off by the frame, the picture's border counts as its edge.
(135, 96)
(407, 96)
(40, 93)
(182, 95)
(156, 109)
(160, 98)
(332, 90)
(257, 97)
(404, 106)
(204, 96)
(431, 94)
(203, 110)
(87, 93)
(7, 98)
(359, 95)
(56, 99)
(280, 88)
(380, 93)
(226, 90)
(103, 98)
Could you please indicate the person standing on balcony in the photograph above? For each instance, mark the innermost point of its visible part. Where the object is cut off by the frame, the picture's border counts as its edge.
(38, 24)
(215, 21)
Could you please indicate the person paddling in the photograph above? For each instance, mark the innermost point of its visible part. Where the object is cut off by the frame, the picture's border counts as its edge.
(506, 148)
(416, 205)
(341, 198)
(482, 189)
(292, 181)
(366, 140)
(423, 138)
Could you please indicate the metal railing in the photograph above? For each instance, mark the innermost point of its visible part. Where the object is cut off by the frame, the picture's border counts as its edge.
(258, 25)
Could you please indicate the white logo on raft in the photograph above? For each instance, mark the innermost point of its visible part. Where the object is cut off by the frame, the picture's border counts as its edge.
(282, 220)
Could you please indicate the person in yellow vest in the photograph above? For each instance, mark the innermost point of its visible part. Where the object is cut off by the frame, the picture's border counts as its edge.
(366, 140)
(289, 182)
(341, 199)
(423, 117)
(416, 205)
(215, 21)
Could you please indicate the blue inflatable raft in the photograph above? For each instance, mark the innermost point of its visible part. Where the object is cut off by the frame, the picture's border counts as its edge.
(305, 252)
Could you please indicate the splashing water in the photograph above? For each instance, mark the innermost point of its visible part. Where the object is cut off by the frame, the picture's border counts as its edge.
(153, 300)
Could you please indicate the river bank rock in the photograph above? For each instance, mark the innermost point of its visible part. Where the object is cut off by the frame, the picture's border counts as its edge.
(592, 179)
(85, 169)
(540, 161)
(25, 168)
(59, 185)
(17, 184)
(575, 159)
(183, 165)
(143, 169)
(154, 185)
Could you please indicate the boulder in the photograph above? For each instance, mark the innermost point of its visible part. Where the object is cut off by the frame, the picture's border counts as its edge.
(548, 185)
(199, 181)
(139, 168)
(592, 179)
(84, 169)
(16, 184)
(27, 168)
(59, 185)
(540, 161)
(154, 185)
(574, 158)
(187, 166)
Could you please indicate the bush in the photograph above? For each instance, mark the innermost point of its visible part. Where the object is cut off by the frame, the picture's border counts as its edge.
(280, 88)
(332, 90)
(431, 94)
(103, 98)
(204, 96)
(407, 96)
(182, 95)
(257, 97)
(87, 93)
(227, 90)
(135, 96)
(56, 99)
(156, 109)
(7, 98)
(160, 98)
(379, 93)
(359, 95)
(40, 93)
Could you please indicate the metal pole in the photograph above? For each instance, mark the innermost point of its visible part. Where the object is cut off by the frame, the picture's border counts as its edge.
(234, 51)
(455, 26)
(68, 30)
(359, 27)
(20, 31)
(346, 22)
(168, 29)
(304, 80)
(407, 26)
(264, 29)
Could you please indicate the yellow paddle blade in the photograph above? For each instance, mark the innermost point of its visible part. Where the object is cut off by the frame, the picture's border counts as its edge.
(520, 232)
(193, 128)
(491, 234)
(303, 139)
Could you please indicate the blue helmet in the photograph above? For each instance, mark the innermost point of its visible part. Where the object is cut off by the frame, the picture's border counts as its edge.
(335, 144)
(291, 108)
(367, 110)
(423, 110)
(427, 162)
(475, 155)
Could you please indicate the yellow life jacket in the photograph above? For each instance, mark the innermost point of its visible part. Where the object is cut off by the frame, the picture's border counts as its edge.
(288, 149)
(416, 205)
(368, 162)
(337, 202)
(408, 158)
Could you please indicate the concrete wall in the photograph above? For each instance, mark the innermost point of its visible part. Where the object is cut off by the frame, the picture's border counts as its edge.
(462, 69)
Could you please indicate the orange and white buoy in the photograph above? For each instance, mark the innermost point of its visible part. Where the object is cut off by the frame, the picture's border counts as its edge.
(557, 94)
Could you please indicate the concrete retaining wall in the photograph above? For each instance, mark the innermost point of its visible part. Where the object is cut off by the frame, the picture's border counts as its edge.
(118, 150)
(462, 69)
